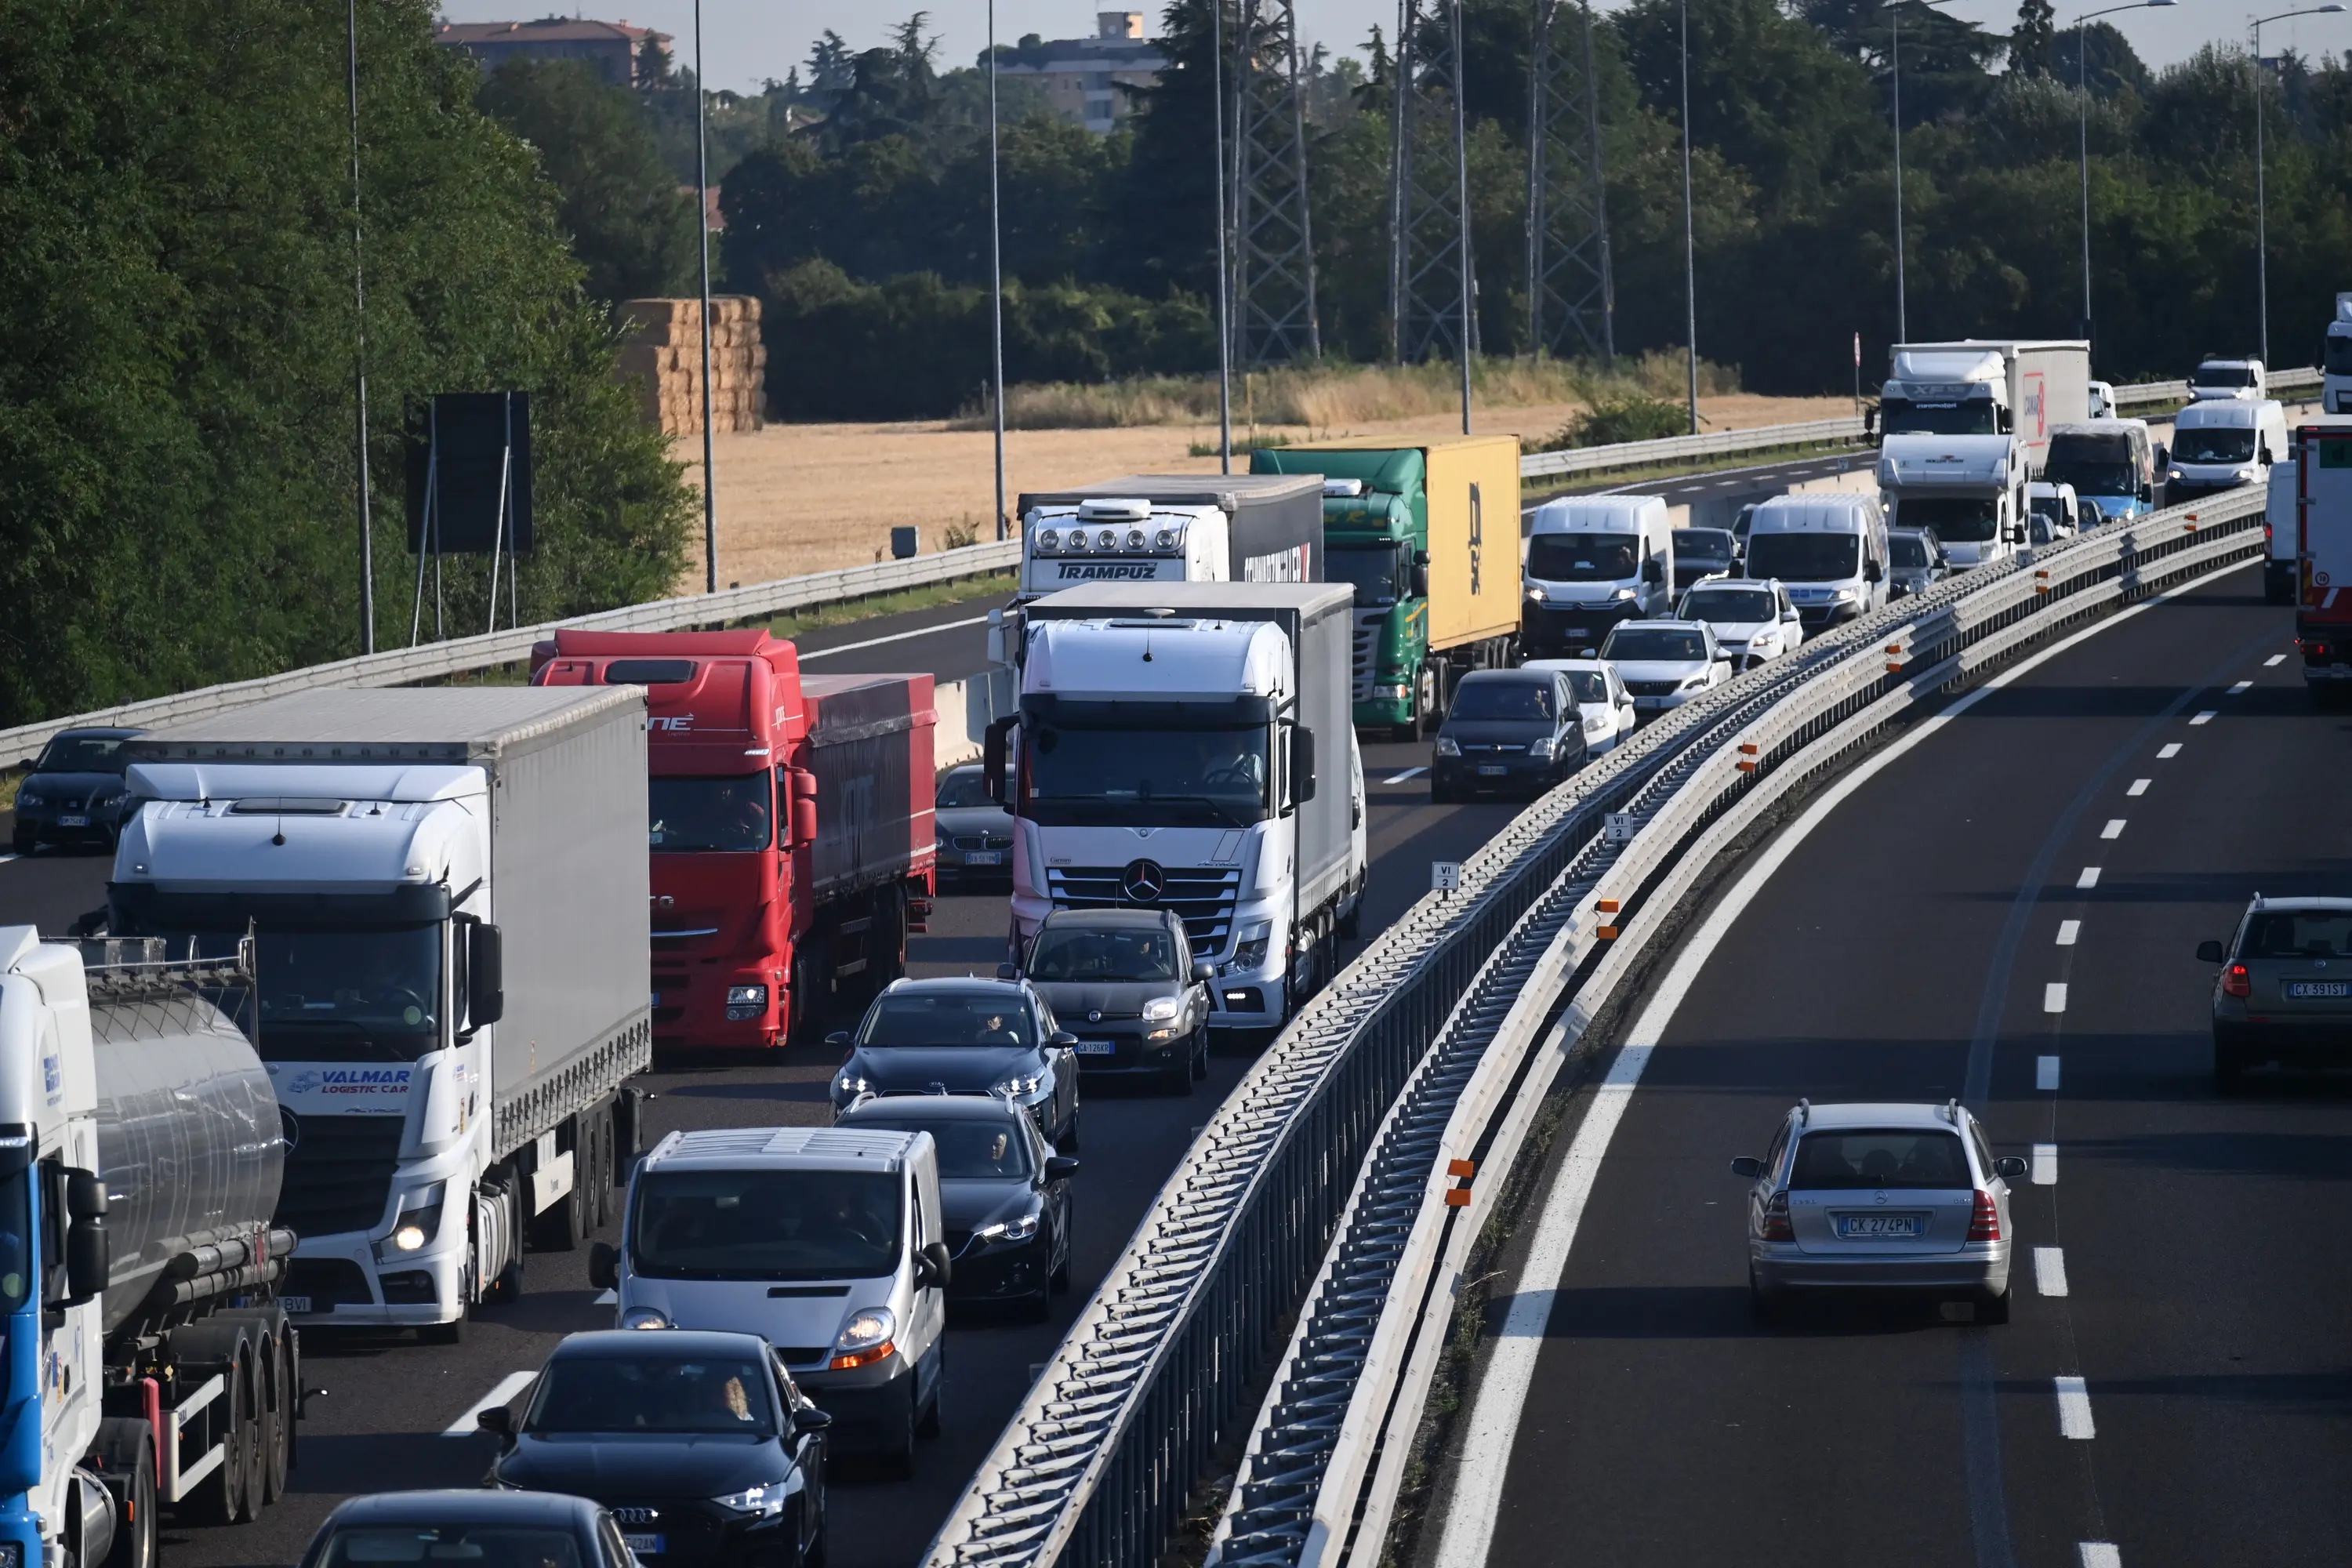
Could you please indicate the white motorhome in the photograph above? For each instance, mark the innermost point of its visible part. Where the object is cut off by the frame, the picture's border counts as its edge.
(2220, 443)
(1592, 562)
(1829, 549)
(1968, 490)
(1980, 386)
(2229, 379)
(2336, 361)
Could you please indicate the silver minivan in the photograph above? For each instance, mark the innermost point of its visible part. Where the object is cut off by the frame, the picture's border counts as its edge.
(827, 1242)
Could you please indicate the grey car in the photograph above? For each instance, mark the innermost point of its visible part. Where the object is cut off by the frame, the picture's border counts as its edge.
(1125, 983)
(2284, 992)
(1915, 561)
(1882, 1197)
(76, 793)
(975, 833)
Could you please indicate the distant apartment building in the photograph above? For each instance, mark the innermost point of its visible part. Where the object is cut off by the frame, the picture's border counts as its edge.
(1082, 77)
(612, 47)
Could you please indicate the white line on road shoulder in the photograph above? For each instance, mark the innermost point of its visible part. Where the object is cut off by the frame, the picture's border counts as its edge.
(894, 636)
(2075, 1410)
(5, 859)
(2274, 661)
(2089, 878)
(2139, 786)
(2207, 717)
(2067, 931)
(2098, 1555)
(2045, 1072)
(510, 1385)
(2113, 829)
(1408, 774)
(608, 1297)
(2050, 1271)
(2053, 997)
(2045, 1165)
(2243, 685)
(2172, 749)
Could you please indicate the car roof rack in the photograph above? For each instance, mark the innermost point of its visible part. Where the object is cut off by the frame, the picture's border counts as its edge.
(1952, 1111)
(1804, 1112)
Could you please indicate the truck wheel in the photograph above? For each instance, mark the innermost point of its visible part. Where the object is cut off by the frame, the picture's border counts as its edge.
(220, 1496)
(273, 1401)
(127, 1449)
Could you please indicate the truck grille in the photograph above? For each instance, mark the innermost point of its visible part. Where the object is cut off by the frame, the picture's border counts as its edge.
(1203, 896)
(338, 1172)
(1368, 647)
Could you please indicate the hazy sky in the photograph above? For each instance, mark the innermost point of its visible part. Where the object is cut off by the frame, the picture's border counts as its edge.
(745, 41)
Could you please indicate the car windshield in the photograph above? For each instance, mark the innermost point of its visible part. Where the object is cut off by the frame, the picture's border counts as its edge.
(1654, 644)
(2095, 465)
(765, 1225)
(2213, 444)
(948, 1019)
(2233, 375)
(1804, 557)
(964, 786)
(1581, 557)
(1908, 549)
(1891, 1158)
(1213, 776)
(1956, 519)
(1484, 699)
(83, 755)
(1974, 417)
(2300, 933)
(700, 815)
(1589, 684)
(970, 1151)
(1119, 953)
(687, 1396)
(1709, 544)
(2046, 506)
(1733, 607)
(473, 1545)
(1375, 569)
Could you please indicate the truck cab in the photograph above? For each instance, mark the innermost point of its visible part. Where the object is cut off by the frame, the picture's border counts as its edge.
(1956, 391)
(1592, 562)
(1968, 490)
(2222, 443)
(2111, 463)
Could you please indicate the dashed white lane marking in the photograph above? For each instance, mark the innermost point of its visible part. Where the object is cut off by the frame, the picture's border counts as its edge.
(2067, 931)
(2075, 1410)
(2053, 997)
(2050, 1271)
(2045, 1072)
(2207, 717)
(2242, 687)
(5, 859)
(894, 636)
(2139, 786)
(2172, 749)
(2098, 1555)
(2274, 661)
(506, 1388)
(2045, 1165)
(2089, 878)
(2113, 829)
(1408, 774)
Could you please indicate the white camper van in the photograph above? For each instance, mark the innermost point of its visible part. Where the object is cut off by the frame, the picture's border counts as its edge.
(1829, 549)
(1592, 562)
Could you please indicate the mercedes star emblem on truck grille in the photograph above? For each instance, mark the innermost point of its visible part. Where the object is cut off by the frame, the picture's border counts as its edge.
(1143, 880)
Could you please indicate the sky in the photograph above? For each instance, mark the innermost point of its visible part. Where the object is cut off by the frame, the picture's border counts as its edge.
(744, 42)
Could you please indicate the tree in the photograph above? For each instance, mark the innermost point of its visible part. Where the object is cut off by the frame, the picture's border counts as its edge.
(2032, 44)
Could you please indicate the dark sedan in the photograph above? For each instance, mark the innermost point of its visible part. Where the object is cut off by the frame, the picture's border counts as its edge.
(964, 1037)
(479, 1529)
(699, 1443)
(975, 833)
(1004, 1197)
(1915, 561)
(1702, 553)
(1510, 731)
(76, 793)
(1124, 983)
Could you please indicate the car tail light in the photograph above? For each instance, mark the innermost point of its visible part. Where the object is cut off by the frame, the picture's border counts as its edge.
(1776, 1219)
(2266, 530)
(1984, 1223)
(2236, 982)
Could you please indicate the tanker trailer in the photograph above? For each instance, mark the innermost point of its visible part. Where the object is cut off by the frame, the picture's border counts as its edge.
(147, 1364)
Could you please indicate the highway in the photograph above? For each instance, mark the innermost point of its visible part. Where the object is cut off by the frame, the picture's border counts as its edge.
(2004, 909)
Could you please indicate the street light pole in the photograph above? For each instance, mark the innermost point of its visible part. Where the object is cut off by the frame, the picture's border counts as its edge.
(1225, 324)
(702, 227)
(995, 271)
(2082, 132)
(1894, 71)
(2262, 202)
(1690, 263)
(359, 317)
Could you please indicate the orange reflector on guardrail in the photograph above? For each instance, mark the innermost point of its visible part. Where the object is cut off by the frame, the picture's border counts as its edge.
(1747, 748)
(1463, 1168)
(1457, 1197)
(1607, 906)
(1606, 933)
(1747, 767)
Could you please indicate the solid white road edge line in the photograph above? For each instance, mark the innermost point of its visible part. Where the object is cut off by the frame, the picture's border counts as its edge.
(2172, 749)
(895, 636)
(2045, 1072)
(507, 1388)
(2045, 1165)
(1501, 1396)
(2075, 1410)
(1405, 776)
(2053, 997)
(2050, 1271)
(2098, 1555)
(2067, 931)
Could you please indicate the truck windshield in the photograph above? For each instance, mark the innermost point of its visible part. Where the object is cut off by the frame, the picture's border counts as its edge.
(697, 816)
(15, 1231)
(765, 1225)
(1207, 777)
(1376, 570)
(2213, 444)
(1803, 557)
(1956, 519)
(1581, 557)
(1901, 416)
(353, 994)
(2337, 354)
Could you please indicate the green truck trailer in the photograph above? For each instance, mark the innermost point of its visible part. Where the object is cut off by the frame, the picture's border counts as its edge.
(1429, 536)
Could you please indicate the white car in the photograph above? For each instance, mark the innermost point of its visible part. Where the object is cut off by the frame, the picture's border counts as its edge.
(1753, 619)
(2052, 513)
(2103, 400)
(1606, 707)
(1665, 664)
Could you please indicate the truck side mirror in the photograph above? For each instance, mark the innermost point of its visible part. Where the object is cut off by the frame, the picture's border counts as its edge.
(1421, 575)
(1302, 764)
(1872, 571)
(995, 744)
(485, 992)
(1654, 570)
(88, 1253)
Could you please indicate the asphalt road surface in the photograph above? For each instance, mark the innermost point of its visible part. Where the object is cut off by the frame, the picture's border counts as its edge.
(2007, 912)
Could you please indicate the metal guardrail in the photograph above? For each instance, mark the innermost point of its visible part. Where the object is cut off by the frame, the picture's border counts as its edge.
(1327, 1458)
(1843, 432)
(2134, 393)
(462, 656)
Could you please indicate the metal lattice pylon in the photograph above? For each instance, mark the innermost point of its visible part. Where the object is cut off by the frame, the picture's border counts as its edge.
(1425, 217)
(1273, 253)
(1571, 297)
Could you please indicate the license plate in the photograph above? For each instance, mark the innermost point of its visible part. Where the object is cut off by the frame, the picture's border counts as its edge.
(1866, 1226)
(1492, 770)
(73, 822)
(295, 1303)
(985, 857)
(2300, 988)
(1097, 1047)
(1576, 632)
(1648, 702)
(644, 1545)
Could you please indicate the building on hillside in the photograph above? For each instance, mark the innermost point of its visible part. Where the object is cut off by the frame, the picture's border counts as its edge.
(1082, 78)
(615, 48)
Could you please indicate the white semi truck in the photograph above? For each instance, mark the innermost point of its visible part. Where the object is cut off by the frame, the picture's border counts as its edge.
(447, 891)
(149, 1364)
(1173, 528)
(1189, 746)
(1980, 386)
(1970, 489)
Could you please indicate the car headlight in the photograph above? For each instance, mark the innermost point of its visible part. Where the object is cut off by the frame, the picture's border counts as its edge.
(26, 797)
(1622, 595)
(1162, 1007)
(2246, 476)
(1020, 1230)
(1595, 723)
(865, 1339)
(1845, 595)
(1536, 593)
(1020, 1086)
(760, 1501)
(850, 1084)
(1250, 951)
(1540, 749)
(1447, 746)
(643, 1318)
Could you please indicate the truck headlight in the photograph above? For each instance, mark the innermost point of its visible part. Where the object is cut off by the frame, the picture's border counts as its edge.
(760, 1502)
(1447, 746)
(1050, 541)
(1250, 951)
(746, 1002)
(643, 1318)
(1167, 539)
(865, 1339)
(418, 1223)
(1162, 1007)
(1845, 595)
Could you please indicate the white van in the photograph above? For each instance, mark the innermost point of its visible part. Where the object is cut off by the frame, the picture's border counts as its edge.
(1830, 551)
(2222, 444)
(2228, 380)
(2280, 579)
(1591, 563)
(827, 1242)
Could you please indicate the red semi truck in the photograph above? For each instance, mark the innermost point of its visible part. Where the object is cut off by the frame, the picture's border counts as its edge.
(791, 825)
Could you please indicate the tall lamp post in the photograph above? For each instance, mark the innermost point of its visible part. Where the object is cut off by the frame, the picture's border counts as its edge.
(1894, 72)
(1690, 261)
(2082, 131)
(2261, 209)
(996, 272)
(702, 228)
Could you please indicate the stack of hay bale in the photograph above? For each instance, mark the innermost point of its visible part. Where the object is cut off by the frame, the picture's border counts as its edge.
(661, 361)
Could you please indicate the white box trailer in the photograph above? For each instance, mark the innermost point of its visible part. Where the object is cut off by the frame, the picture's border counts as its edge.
(1988, 386)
